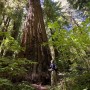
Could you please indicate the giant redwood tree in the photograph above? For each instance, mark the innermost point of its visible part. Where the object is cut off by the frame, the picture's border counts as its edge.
(34, 35)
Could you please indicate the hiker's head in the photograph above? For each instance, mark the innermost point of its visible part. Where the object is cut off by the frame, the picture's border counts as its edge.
(52, 61)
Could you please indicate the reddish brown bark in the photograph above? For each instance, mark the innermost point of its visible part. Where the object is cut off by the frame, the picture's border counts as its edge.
(34, 35)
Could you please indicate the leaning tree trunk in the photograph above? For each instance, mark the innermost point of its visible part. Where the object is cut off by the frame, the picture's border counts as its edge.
(34, 35)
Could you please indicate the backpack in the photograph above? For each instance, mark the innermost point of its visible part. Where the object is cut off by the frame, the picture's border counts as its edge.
(53, 67)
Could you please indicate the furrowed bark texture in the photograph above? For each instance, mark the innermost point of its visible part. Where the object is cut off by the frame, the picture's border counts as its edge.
(34, 35)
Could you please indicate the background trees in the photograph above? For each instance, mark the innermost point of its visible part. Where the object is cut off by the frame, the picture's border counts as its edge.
(80, 4)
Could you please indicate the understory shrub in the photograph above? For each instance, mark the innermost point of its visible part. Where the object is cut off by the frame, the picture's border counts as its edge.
(13, 72)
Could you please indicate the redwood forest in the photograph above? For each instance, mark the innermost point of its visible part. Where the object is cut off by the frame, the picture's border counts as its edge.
(44, 44)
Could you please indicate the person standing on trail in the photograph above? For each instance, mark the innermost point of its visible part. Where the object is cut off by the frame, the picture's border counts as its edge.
(53, 70)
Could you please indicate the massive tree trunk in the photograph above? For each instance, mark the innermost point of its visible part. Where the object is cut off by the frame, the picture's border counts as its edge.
(34, 35)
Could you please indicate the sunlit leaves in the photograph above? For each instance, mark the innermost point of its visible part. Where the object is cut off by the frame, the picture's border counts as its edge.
(10, 44)
(80, 4)
(54, 25)
(71, 45)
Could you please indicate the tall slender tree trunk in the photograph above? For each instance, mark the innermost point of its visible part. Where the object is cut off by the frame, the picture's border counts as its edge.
(34, 35)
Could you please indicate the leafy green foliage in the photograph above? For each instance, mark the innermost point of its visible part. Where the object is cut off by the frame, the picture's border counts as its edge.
(78, 82)
(5, 84)
(10, 44)
(72, 45)
(11, 15)
(51, 10)
(13, 68)
(25, 86)
(80, 4)
(82, 82)
(14, 71)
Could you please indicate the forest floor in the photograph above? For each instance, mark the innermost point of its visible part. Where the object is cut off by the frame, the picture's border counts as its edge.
(59, 85)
